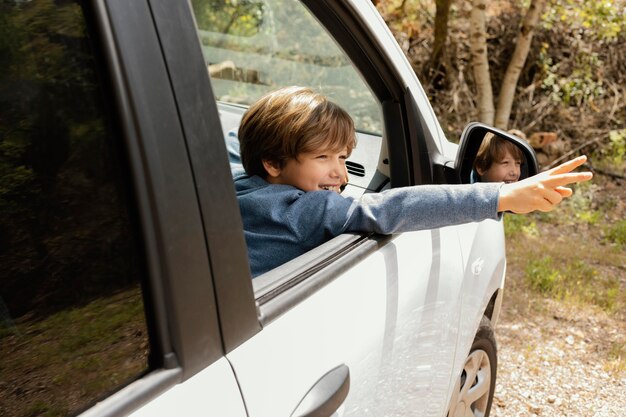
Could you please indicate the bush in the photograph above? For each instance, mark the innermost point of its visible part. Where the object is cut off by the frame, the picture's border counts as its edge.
(542, 276)
(617, 233)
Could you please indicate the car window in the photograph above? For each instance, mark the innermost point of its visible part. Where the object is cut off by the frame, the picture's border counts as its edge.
(72, 321)
(253, 47)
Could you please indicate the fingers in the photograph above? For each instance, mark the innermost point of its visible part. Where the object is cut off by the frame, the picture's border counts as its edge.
(568, 166)
(552, 196)
(559, 180)
(564, 191)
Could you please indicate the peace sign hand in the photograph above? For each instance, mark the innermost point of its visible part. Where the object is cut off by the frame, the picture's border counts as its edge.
(542, 191)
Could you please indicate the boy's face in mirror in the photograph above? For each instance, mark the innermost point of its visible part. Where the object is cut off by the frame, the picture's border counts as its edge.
(320, 170)
(506, 170)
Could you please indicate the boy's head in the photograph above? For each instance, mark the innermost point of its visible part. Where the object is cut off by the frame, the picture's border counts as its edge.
(288, 123)
(498, 160)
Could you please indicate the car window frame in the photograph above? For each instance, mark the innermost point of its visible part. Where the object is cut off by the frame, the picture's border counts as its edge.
(200, 121)
(180, 303)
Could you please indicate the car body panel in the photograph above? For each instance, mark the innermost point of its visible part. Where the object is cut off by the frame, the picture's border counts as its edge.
(391, 319)
(211, 392)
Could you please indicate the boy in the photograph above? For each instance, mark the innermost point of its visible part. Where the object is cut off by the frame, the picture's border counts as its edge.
(293, 146)
(498, 160)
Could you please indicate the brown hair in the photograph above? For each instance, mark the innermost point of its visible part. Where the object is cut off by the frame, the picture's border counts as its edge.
(494, 149)
(288, 122)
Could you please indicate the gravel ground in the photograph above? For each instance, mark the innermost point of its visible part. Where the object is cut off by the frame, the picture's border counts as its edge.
(558, 360)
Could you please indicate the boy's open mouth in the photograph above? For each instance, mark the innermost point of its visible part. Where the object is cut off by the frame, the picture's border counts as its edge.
(335, 188)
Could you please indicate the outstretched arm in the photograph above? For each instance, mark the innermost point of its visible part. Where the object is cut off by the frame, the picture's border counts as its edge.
(542, 191)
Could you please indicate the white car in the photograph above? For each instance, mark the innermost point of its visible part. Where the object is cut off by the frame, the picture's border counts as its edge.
(364, 325)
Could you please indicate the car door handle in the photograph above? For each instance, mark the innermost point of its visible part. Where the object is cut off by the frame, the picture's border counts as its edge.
(327, 395)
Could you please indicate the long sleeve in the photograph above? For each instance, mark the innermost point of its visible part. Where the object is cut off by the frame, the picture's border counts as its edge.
(423, 207)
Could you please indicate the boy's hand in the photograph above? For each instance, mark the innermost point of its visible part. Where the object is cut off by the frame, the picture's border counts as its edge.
(543, 191)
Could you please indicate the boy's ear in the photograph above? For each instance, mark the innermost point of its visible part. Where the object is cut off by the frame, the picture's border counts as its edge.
(273, 168)
(480, 171)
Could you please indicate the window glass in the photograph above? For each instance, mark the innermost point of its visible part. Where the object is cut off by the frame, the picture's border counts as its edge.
(253, 47)
(72, 323)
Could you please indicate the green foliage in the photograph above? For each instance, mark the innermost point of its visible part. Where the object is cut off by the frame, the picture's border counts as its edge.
(580, 86)
(591, 217)
(573, 57)
(86, 349)
(542, 276)
(603, 19)
(234, 17)
(575, 281)
(617, 233)
(617, 149)
(581, 204)
(41, 408)
(514, 224)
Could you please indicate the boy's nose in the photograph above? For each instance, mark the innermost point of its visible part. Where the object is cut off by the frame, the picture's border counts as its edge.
(340, 171)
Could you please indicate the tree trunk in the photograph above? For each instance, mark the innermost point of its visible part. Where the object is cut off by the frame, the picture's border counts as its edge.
(480, 63)
(435, 70)
(511, 77)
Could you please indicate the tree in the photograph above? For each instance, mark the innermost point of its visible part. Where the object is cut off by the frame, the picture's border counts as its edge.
(436, 67)
(487, 113)
(524, 39)
(480, 62)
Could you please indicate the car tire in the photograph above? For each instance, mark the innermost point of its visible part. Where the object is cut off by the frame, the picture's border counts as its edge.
(473, 393)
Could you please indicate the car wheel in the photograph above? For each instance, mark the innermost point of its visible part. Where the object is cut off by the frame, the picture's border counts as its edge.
(473, 394)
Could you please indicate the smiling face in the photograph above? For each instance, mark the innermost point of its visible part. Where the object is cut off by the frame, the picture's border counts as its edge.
(506, 169)
(290, 126)
(311, 171)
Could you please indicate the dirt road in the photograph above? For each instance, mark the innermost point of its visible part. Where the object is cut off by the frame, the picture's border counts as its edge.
(558, 360)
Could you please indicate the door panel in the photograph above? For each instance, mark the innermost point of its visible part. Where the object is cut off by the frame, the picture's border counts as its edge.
(420, 364)
(211, 392)
(484, 268)
(392, 319)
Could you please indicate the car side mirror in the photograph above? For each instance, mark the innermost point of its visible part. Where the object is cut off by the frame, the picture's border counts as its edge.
(473, 137)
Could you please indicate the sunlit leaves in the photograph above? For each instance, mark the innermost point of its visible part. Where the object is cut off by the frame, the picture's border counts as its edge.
(603, 20)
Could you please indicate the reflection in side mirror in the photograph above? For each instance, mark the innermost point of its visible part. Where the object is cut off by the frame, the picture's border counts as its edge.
(487, 154)
(498, 160)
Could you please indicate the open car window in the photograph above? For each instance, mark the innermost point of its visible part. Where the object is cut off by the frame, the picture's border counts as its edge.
(252, 48)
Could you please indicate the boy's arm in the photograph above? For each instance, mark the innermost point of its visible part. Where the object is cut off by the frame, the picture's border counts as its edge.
(422, 207)
(431, 206)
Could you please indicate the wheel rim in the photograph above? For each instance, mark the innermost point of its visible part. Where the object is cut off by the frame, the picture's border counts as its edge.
(474, 386)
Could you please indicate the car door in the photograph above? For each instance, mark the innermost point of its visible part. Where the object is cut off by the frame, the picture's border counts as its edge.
(386, 308)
